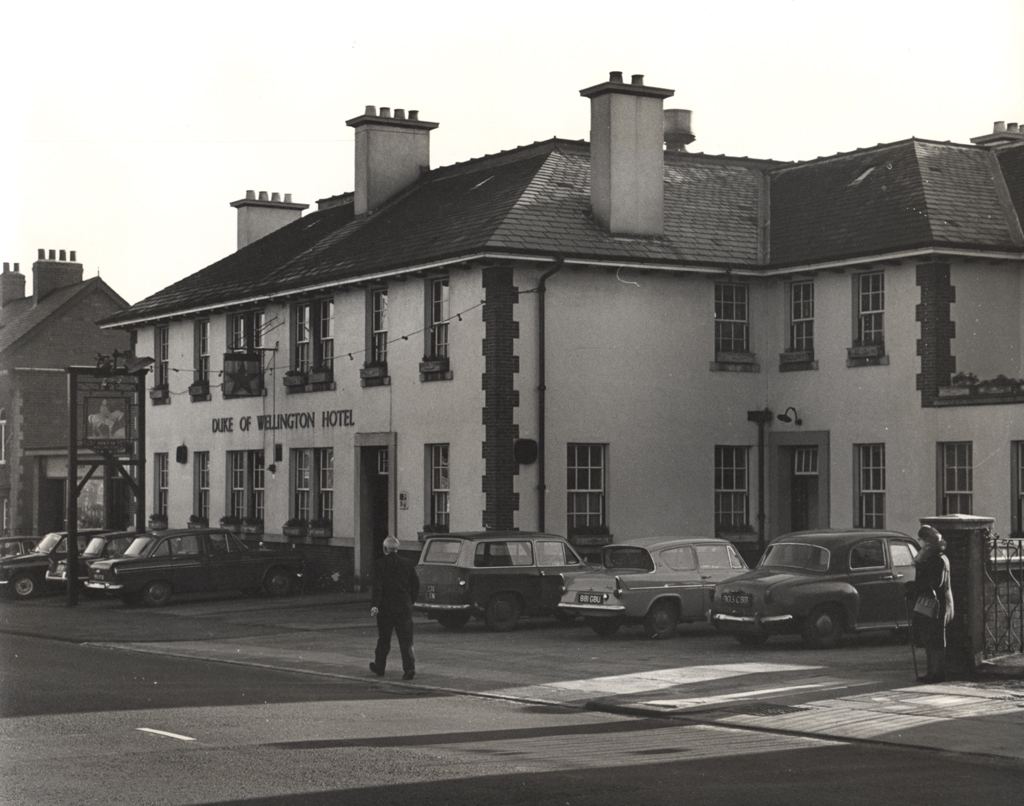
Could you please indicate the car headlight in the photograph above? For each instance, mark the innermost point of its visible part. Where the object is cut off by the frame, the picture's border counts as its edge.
(618, 588)
(768, 596)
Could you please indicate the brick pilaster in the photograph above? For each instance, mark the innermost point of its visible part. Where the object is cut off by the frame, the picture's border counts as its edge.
(937, 330)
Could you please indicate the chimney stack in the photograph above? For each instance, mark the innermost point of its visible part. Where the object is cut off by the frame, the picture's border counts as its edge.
(260, 217)
(12, 285)
(627, 158)
(1003, 134)
(391, 152)
(49, 275)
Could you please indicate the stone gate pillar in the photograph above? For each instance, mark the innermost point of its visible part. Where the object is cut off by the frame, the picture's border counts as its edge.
(965, 636)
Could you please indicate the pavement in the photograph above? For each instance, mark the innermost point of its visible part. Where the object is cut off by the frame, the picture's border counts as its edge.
(982, 715)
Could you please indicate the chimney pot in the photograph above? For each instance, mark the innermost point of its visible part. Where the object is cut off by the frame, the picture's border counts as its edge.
(385, 111)
(250, 195)
(7, 267)
(414, 114)
(42, 254)
(638, 79)
(17, 266)
(287, 198)
(998, 127)
(616, 76)
(1012, 127)
(53, 254)
(371, 110)
(399, 114)
(263, 195)
(62, 255)
(275, 197)
(72, 256)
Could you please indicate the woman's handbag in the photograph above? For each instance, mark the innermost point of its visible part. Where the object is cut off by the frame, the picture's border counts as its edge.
(927, 605)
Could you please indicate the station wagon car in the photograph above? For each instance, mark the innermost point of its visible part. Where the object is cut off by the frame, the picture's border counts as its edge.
(822, 585)
(654, 581)
(101, 547)
(24, 576)
(499, 576)
(159, 565)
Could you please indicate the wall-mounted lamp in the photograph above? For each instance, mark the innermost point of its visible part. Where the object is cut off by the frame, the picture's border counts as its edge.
(785, 418)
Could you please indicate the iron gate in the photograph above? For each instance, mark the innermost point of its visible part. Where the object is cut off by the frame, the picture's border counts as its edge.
(1004, 609)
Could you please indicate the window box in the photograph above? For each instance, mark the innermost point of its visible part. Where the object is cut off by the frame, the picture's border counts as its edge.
(373, 371)
(321, 528)
(796, 357)
(252, 526)
(157, 523)
(429, 364)
(735, 362)
(198, 522)
(160, 394)
(321, 375)
(590, 536)
(293, 378)
(231, 523)
(200, 390)
(865, 351)
(295, 528)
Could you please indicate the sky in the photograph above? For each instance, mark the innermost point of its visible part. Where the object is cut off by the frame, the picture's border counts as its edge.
(128, 128)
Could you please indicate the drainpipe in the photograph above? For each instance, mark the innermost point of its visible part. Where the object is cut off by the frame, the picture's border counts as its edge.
(762, 418)
(541, 389)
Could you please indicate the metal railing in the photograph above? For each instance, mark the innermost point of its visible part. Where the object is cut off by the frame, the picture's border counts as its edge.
(1003, 586)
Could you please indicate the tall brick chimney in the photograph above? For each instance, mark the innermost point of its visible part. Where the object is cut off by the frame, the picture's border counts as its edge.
(627, 159)
(258, 217)
(12, 285)
(391, 152)
(52, 273)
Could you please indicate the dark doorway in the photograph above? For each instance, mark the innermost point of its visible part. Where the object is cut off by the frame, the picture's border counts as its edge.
(52, 505)
(803, 499)
(374, 461)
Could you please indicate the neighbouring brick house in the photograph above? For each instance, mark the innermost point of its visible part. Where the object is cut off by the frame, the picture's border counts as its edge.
(614, 338)
(40, 336)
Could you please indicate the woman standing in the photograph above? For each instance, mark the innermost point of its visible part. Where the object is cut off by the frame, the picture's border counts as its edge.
(933, 608)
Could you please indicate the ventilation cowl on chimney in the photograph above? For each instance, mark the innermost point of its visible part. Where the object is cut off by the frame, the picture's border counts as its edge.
(391, 152)
(258, 217)
(627, 158)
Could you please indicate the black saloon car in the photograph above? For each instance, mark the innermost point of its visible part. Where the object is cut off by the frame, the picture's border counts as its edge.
(157, 566)
(821, 584)
(24, 576)
(101, 547)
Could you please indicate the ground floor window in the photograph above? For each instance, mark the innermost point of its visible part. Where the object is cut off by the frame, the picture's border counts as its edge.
(201, 504)
(870, 480)
(161, 469)
(440, 488)
(313, 484)
(956, 478)
(1017, 474)
(732, 494)
(246, 484)
(585, 487)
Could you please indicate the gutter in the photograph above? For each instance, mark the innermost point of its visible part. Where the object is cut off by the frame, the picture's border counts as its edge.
(541, 390)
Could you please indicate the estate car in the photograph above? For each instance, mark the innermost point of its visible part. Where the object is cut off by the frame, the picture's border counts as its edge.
(158, 565)
(654, 581)
(820, 584)
(499, 576)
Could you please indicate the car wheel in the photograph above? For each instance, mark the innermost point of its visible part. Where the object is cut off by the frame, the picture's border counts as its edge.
(662, 620)
(823, 627)
(24, 586)
(278, 582)
(604, 626)
(503, 612)
(157, 594)
(454, 621)
(752, 638)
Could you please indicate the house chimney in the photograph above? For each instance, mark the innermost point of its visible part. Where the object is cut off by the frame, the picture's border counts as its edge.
(391, 152)
(260, 217)
(678, 131)
(627, 159)
(1003, 134)
(53, 274)
(12, 285)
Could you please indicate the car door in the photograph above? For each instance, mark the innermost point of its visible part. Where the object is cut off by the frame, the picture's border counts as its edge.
(554, 558)
(506, 565)
(717, 562)
(878, 589)
(678, 573)
(187, 567)
(228, 565)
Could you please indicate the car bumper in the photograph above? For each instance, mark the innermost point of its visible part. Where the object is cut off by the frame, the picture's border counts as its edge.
(751, 623)
(442, 608)
(592, 609)
(103, 586)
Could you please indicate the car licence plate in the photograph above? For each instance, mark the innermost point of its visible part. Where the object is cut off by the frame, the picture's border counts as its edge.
(429, 592)
(736, 598)
(589, 598)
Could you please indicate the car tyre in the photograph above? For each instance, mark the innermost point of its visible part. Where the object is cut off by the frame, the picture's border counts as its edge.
(278, 582)
(454, 621)
(157, 593)
(752, 638)
(823, 627)
(503, 612)
(25, 586)
(603, 626)
(662, 620)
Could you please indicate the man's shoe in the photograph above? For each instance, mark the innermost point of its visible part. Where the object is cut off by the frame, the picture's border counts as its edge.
(376, 669)
(409, 675)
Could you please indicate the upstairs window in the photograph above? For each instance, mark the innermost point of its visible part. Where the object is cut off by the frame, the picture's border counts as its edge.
(439, 315)
(162, 354)
(870, 309)
(247, 330)
(801, 317)
(202, 356)
(731, 324)
(378, 348)
(314, 335)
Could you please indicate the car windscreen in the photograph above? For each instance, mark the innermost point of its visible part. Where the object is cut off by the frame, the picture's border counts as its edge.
(139, 546)
(503, 553)
(627, 557)
(795, 555)
(47, 544)
(115, 547)
(445, 552)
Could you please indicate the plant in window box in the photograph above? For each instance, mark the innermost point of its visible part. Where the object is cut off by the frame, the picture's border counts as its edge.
(199, 388)
(321, 527)
(434, 363)
(252, 526)
(157, 523)
(198, 522)
(1000, 385)
(374, 369)
(322, 373)
(232, 523)
(295, 377)
(295, 527)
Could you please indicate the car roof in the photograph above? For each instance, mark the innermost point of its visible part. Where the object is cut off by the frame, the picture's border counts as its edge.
(490, 535)
(651, 543)
(836, 537)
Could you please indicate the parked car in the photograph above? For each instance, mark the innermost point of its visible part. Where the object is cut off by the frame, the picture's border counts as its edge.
(14, 546)
(654, 581)
(101, 547)
(499, 576)
(157, 566)
(822, 585)
(24, 576)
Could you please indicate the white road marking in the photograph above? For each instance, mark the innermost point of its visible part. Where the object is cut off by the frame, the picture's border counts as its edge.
(743, 695)
(165, 733)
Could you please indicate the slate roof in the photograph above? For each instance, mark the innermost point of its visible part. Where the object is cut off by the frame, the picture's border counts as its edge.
(722, 212)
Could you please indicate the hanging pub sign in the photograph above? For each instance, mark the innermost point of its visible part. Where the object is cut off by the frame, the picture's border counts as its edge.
(107, 414)
(243, 375)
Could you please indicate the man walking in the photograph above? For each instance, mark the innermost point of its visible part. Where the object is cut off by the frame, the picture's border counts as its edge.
(395, 588)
